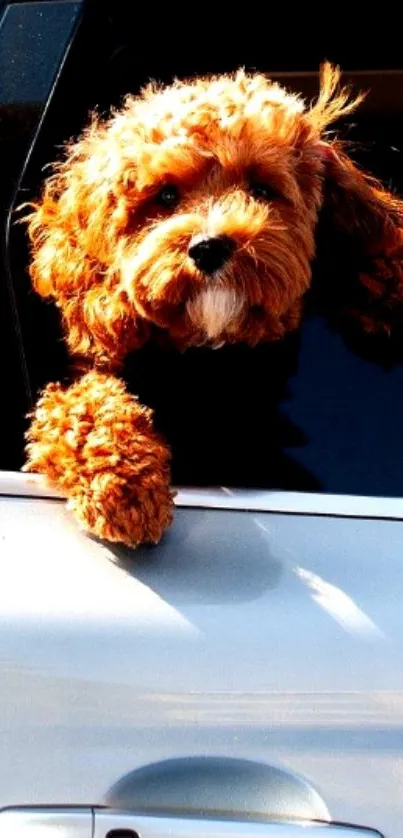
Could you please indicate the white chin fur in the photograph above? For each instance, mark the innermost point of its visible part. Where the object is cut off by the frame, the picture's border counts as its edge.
(215, 310)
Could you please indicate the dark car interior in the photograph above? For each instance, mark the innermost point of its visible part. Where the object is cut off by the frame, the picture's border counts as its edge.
(321, 413)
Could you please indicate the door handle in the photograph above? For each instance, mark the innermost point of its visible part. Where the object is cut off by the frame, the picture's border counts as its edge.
(87, 822)
(115, 825)
(39, 822)
(191, 797)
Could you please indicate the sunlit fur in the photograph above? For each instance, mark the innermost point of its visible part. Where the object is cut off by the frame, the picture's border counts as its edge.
(216, 310)
(116, 262)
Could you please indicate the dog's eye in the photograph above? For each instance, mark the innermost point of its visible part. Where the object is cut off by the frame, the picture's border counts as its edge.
(262, 191)
(168, 196)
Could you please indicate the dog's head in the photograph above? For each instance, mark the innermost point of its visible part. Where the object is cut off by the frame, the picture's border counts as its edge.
(194, 209)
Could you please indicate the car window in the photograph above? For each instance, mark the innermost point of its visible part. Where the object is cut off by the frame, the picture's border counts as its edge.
(34, 38)
(313, 412)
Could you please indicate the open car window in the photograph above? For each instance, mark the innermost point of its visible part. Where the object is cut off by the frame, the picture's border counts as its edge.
(310, 413)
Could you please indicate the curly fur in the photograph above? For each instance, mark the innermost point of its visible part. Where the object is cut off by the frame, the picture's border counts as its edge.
(117, 263)
(96, 442)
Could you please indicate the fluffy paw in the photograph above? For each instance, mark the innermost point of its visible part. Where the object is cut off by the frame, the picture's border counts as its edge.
(97, 443)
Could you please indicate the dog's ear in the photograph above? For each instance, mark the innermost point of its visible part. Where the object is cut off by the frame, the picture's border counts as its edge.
(360, 232)
(74, 231)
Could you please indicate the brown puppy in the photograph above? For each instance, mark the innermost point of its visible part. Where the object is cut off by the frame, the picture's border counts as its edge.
(192, 211)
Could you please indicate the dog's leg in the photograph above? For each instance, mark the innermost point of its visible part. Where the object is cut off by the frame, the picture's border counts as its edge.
(97, 444)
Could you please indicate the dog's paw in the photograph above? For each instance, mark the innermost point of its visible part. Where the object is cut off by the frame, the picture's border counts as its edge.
(97, 444)
(128, 512)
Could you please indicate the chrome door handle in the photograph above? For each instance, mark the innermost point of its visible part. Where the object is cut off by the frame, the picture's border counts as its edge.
(47, 822)
(108, 825)
(117, 825)
(88, 822)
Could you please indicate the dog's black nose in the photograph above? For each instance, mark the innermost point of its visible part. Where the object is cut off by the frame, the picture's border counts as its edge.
(210, 254)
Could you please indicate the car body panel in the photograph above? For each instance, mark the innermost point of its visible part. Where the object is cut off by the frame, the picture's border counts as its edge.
(265, 635)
